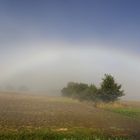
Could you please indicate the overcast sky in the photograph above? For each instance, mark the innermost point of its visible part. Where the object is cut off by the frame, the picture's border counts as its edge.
(46, 43)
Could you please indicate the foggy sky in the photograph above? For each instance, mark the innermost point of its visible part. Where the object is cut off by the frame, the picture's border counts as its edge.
(45, 44)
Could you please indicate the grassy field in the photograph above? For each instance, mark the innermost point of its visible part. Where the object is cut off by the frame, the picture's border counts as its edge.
(34, 117)
(130, 109)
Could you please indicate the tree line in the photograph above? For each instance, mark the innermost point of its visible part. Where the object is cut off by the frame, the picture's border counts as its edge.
(108, 91)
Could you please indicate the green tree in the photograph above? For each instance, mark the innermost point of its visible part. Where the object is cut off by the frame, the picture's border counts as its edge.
(80, 91)
(74, 90)
(110, 90)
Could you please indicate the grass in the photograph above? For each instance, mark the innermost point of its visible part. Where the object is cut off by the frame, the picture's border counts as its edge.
(122, 109)
(131, 112)
(47, 134)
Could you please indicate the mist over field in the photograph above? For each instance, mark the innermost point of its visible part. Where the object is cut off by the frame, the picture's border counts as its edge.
(69, 70)
(44, 66)
(42, 47)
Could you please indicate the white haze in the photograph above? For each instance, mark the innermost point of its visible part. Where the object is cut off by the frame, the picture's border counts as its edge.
(49, 66)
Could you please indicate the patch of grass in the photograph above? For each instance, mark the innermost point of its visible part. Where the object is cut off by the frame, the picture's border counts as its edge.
(131, 112)
(121, 109)
(46, 134)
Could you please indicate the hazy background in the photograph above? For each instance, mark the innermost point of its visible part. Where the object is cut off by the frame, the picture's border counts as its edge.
(46, 43)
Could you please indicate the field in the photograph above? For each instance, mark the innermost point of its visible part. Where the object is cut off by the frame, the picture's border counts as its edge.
(40, 117)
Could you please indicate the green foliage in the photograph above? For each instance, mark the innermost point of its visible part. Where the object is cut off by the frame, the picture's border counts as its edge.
(130, 112)
(79, 91)
(44, 134)
(109, 90)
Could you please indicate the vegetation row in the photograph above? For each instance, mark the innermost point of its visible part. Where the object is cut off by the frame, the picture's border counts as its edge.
(108, 91)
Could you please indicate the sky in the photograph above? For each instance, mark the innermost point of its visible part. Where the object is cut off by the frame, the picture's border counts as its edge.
(46, 43)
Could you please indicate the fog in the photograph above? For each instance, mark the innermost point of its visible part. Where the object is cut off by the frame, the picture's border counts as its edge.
(46, 44)
(48, 66)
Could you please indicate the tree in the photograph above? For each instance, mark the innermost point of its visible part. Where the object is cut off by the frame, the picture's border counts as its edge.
(110, 90)
(74, 90)
(90, 93)
(80, 91)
